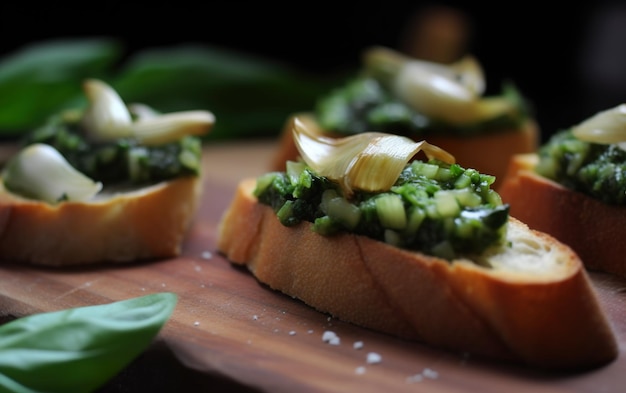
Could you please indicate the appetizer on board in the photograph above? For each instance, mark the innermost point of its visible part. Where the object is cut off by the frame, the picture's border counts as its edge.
(574, 188)
(424, 250)
(106, 183)
(445, 104)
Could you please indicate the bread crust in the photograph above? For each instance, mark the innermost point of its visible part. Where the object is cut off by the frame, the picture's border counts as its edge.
(550, 321)
(145, 223)
(595, 230)
(489, 153)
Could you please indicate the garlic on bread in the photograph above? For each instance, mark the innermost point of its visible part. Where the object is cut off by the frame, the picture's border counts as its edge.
(434, 258)
(573, 188)
(109, 183)
(445, 104)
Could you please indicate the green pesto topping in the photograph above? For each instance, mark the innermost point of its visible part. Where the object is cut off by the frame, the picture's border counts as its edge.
(436, 208)
(365, 104)
(597, 170)
(122, 160)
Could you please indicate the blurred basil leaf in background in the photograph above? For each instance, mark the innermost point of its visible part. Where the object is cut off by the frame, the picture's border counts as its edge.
(250, 96)
(40, 79)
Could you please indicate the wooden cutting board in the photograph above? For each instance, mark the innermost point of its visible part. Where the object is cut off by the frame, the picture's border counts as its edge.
(230, 333)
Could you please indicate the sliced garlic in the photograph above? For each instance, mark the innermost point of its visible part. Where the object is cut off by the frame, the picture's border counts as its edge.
(40, 171)
(169, 127)
(452, 93)
(608, 126)
(106, 116)
(370, 161)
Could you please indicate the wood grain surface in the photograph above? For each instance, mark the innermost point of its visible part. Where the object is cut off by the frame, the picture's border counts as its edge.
(231, 333)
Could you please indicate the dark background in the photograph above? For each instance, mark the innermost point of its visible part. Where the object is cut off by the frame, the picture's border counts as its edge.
(567, 60)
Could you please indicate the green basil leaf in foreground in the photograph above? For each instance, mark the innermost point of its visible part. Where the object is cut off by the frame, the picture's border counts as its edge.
(79, 349)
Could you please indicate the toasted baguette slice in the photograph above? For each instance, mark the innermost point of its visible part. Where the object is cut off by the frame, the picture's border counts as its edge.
(125, 226)
(488, 153)
(595, 230)
(535, 306)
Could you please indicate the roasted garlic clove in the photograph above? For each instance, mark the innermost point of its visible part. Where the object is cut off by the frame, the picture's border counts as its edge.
(469, 73)
(39, 171)
(452, 93)
(108, 118)
(169, 127)
(370, 161)
(142, 111)
(606, 127)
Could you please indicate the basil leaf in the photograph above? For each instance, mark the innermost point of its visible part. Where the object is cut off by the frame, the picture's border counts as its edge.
(79, 349)
(41, 79)
(251, 96)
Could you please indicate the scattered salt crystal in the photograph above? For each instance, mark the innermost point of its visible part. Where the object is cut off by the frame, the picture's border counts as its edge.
(357, 345)
(430, 373)
(292, 333)
(426, 373)
(330, 337)
(415, 378)
(360, 370)
(207, 255)
(373, 357)
(255, 317)
(310, 331)
(196, 323)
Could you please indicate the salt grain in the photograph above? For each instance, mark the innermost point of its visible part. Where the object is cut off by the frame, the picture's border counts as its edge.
(373, 358)
(426, 373)
(429, 373)
(196, 323)
(357, 345)
(207, 255)
(415, 378)
(330, 338)
(360, 370)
